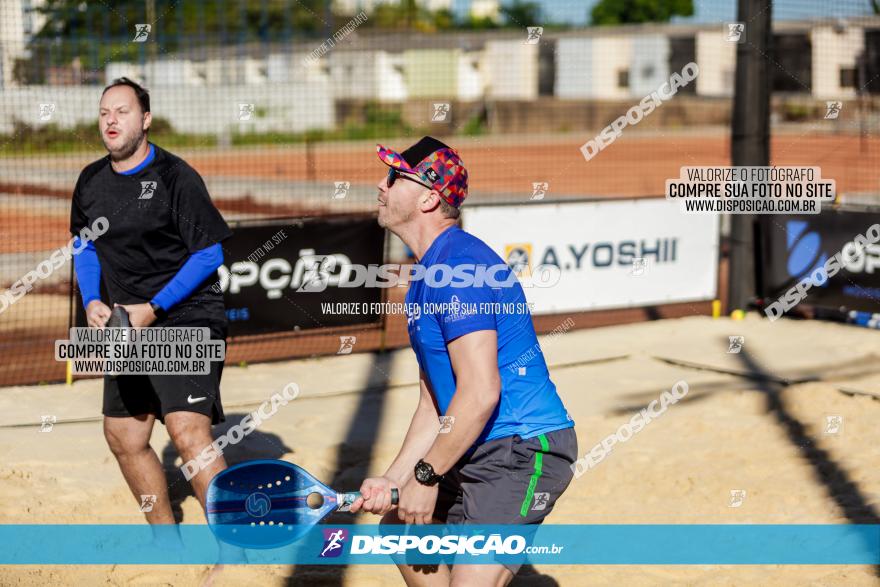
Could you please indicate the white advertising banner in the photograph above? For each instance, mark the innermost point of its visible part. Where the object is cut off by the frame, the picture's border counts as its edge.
(607, 254)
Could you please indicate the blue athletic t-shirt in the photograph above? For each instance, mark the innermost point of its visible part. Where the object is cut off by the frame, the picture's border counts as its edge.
(438, 312)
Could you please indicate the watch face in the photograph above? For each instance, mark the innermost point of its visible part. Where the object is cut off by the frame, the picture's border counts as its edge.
(424, 473)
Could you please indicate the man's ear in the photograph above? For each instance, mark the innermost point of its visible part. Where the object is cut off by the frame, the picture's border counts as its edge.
(430, 201)
(148, 119)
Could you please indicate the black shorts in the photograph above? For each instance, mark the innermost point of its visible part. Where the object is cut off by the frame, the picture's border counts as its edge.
(135, 395)
(508, 481)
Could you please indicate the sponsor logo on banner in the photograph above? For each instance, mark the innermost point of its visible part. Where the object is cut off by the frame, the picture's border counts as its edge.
(603, 255)
(519, 258)
(830, 261)
(804, 249)
(599, 255)
(310, 272)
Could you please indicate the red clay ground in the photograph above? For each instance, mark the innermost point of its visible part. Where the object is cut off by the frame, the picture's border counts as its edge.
(631, 167)
(637, 166)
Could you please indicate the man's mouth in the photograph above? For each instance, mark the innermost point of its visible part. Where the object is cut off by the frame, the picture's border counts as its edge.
(112, 133)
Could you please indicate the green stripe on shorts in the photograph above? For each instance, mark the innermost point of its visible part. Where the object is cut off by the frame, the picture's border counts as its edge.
(533, 482)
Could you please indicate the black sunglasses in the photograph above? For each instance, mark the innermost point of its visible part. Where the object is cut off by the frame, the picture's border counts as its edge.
(394, 174)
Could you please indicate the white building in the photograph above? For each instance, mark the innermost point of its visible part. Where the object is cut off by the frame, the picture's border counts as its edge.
(371, 75)
(595, 67)
(511, 70)
(444, 73)
(716, 58)
(649, 67)
(19, 22)
(284, 67)
(835, 54)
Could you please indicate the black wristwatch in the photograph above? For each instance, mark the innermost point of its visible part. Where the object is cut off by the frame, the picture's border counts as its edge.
(425, 474)
(158, 311)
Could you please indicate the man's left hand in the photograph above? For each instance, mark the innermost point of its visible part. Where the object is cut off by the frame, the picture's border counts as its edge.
(141, 315)
(417, 502)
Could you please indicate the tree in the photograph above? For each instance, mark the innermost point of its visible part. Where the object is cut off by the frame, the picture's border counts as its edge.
(521, 14)
(405, 14)
(611, 12)
(179, 22)
(443, 19)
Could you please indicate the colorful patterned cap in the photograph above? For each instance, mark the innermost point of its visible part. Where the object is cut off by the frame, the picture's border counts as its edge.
(435, 164)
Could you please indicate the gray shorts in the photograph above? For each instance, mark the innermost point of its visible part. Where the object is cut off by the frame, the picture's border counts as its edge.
(508, 481)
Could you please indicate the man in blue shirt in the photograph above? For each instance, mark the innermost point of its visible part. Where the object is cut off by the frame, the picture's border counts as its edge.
(490, 441)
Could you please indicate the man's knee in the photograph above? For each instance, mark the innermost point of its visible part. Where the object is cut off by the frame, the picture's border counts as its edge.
(126, 438)
(189, 435)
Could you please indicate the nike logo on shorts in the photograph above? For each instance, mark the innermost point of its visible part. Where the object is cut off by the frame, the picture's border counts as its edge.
(194, 400)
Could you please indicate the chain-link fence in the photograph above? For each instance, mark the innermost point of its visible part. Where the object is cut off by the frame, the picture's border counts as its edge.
(279, 105)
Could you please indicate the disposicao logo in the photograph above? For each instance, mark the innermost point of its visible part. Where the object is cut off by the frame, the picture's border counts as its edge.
(333, 543)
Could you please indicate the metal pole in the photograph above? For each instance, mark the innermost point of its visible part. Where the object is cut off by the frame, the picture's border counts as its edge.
(750, 137)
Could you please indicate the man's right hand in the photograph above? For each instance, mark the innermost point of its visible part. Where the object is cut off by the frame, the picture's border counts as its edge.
(97, 314)
(375, 496)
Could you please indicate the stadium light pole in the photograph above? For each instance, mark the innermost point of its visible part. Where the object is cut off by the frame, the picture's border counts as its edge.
(750, 136)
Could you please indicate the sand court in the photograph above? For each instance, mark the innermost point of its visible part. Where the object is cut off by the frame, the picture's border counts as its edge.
(753, 428)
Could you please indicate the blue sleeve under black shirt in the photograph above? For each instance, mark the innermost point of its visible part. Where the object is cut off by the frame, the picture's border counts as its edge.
(159, 215)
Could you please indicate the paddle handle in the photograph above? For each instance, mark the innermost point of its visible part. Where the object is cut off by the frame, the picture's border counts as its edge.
(346, 499)
(118, 319)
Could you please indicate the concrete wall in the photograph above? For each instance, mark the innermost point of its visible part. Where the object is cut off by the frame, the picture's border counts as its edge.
(549, 115)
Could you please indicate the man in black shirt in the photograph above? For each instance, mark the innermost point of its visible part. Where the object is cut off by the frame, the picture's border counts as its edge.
(158, 260)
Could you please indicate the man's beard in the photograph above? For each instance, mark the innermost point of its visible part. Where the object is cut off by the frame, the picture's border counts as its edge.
(128, 147)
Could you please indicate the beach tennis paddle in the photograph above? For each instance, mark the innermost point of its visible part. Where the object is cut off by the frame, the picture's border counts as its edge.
(271, 503)
(118, 319)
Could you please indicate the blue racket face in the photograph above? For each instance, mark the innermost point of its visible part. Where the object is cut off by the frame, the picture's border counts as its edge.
(265, 503)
